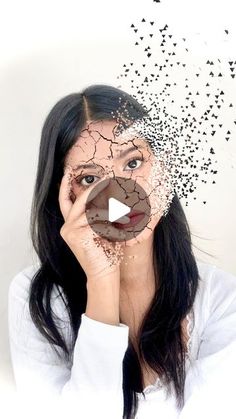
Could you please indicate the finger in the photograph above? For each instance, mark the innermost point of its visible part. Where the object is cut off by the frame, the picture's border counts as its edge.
(96, 214)
(102, 214)
(110, 232)
(123, 220)
(65, 202)
(81, 201)
(92, 215)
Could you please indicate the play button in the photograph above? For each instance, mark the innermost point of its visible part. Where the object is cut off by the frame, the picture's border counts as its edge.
(124, 204)
(116, 210)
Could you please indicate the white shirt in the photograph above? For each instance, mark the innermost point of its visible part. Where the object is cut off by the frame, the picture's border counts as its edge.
(91, 386)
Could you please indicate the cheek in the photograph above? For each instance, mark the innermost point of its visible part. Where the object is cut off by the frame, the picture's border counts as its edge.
(75, 190)
(161, 190)
(160, 202)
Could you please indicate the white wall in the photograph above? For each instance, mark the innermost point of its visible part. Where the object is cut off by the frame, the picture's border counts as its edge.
(52, 48)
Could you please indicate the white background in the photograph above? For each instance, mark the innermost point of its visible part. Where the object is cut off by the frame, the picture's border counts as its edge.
(52, 48)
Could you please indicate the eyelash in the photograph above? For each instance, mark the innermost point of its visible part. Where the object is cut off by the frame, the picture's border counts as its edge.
(80, 178)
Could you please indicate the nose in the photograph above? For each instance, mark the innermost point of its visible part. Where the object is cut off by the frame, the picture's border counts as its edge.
(100, 200)
(113, 189)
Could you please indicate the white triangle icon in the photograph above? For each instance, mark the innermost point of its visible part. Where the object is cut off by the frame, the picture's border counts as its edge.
(116, 209)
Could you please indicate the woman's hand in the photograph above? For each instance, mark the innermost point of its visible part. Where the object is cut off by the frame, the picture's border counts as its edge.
(97, 255)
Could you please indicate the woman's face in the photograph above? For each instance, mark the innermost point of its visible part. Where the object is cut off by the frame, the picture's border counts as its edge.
(100, 152)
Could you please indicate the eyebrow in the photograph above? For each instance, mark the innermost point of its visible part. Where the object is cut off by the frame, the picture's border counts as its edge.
(128, 150)
(121, 155)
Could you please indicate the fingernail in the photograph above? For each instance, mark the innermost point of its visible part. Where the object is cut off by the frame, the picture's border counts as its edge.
(105, 181)
(123, 220)
(98, 188)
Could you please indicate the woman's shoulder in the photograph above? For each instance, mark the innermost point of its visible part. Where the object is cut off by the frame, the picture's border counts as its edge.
(215, 283)
(214, 308)
(20, 283)
(19, 316)
(19, 290)
(209, 378)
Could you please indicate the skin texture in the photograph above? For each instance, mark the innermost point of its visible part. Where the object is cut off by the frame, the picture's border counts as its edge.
(99, 145)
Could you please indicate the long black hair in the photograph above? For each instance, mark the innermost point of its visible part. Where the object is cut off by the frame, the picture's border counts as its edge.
(160, 341)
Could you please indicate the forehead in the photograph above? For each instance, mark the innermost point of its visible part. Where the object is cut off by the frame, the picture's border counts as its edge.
(100, 139)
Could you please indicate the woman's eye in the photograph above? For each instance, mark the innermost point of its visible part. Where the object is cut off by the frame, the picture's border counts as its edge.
(86, 180)
(132, 164)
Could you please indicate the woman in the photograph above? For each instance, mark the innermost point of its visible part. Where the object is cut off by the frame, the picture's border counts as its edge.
(116, 325)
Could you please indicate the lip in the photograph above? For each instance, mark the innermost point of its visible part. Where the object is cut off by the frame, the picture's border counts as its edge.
(134, 216)
(134, 213)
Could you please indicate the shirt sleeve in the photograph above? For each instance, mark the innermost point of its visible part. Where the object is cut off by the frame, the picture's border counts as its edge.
(90, 386)
(211, 378)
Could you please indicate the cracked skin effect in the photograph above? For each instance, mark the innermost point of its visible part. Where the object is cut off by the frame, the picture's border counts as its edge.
(107, 153)
(102, 152)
